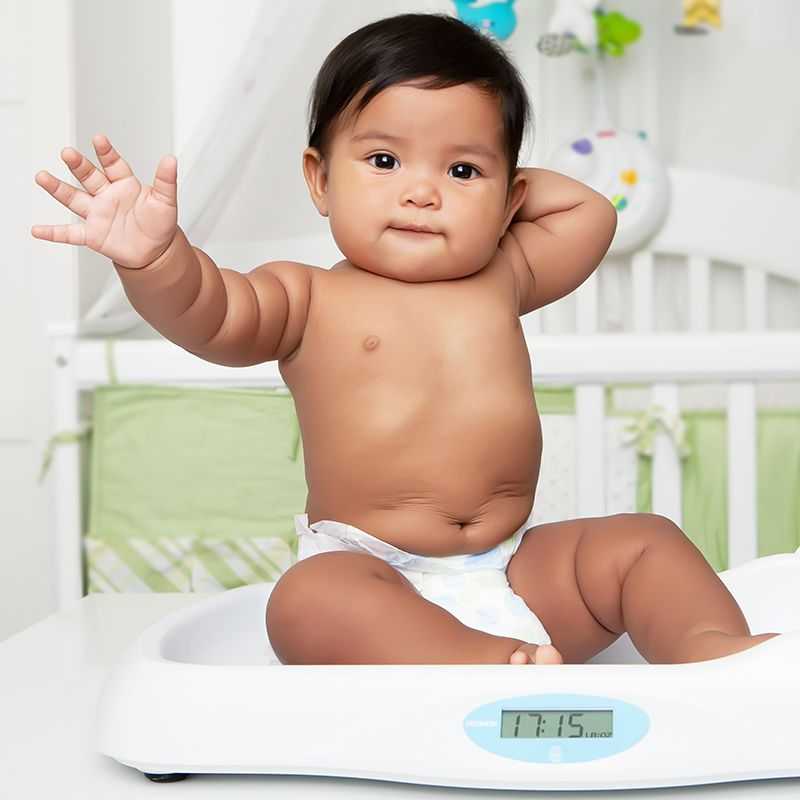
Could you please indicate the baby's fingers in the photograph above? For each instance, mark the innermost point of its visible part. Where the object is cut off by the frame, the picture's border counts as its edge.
(68, 234)
(165, 183)
(91, 178)
(114, 166)
(74, 199)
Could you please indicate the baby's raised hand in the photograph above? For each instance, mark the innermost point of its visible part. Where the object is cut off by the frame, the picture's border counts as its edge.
(125, 221)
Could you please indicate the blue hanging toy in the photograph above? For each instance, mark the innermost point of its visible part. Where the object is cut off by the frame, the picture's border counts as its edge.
(495, 18)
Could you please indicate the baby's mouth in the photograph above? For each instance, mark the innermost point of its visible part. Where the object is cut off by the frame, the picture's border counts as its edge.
(410, 232)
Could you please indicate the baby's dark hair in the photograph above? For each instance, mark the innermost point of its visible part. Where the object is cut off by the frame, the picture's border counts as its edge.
(409, 47)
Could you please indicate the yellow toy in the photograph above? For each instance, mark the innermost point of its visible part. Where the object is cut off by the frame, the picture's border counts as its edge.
(696, 12)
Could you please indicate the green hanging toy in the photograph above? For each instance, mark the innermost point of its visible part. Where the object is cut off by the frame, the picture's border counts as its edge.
(584, 26)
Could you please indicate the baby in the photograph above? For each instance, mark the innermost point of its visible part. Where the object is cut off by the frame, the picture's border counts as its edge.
(410, 373)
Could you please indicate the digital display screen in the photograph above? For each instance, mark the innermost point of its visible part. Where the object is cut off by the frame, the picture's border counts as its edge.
(553, 724)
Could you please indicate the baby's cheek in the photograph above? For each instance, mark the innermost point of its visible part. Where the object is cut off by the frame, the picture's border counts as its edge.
(480, 242)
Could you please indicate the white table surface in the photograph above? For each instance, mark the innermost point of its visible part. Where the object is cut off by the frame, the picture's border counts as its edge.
(51, 675)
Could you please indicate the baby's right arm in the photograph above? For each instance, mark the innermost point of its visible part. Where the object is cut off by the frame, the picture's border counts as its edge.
(219, 315)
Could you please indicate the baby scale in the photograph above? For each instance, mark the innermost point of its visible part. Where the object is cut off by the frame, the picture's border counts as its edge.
(201, 692)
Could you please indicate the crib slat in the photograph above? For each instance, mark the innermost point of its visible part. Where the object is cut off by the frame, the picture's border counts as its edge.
(742, 512)
(586, 304)
(699, 293)
(642, 282)
(755, 299)
(755, 295)
(590, 450)
(67, 541)
(667, 494)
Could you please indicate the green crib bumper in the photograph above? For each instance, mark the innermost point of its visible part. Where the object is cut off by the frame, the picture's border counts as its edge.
(191, 489)
(195, 489)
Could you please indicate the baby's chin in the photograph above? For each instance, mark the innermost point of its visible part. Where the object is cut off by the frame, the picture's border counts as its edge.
(419, 274)
(413, 269)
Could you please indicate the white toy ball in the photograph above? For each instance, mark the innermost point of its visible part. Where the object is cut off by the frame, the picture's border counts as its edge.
(622, 166)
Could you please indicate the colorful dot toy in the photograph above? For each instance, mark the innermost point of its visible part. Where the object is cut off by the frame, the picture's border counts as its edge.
(623, 167)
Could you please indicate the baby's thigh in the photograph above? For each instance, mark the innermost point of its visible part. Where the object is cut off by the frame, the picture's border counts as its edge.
(316, 601)
(570, 575)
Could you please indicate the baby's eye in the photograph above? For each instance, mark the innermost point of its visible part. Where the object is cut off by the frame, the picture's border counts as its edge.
(384, 163)
(463, 167)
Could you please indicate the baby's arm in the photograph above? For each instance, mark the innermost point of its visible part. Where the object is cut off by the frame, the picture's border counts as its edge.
(558, 236)
(221, 315)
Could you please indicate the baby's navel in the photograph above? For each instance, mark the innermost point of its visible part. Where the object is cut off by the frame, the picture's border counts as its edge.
(371, 342)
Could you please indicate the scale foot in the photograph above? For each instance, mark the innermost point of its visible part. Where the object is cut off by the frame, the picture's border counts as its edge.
(166, 777)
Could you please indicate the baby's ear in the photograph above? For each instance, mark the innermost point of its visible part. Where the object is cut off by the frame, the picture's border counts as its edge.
(315, 173)
(516, 197)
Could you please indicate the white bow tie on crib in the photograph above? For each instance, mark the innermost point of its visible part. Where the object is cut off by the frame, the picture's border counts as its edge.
(644, 426)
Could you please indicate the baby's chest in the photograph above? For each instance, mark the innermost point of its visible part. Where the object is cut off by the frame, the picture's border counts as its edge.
(425, 334)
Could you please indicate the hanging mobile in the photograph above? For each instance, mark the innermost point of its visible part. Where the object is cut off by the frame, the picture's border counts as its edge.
(620, 164)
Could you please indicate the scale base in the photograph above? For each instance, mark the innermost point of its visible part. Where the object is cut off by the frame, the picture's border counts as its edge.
(210, 675)
(166, 777)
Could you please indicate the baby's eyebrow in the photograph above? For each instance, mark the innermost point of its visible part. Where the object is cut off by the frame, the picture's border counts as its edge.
(477, 149)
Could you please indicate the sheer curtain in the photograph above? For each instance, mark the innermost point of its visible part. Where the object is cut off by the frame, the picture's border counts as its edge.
(214, 157)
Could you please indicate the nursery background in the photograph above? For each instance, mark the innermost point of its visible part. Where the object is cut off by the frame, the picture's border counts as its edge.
(159, 77)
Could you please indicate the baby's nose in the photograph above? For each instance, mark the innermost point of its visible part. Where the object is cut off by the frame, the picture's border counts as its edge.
(422, 196)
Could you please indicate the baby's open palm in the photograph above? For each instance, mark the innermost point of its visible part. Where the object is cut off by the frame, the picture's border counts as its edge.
(126, 221)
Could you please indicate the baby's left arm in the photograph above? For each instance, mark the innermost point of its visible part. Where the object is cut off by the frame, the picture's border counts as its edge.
(557, 237)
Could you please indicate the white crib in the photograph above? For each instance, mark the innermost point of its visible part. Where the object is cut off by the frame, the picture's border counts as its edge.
(712, 217)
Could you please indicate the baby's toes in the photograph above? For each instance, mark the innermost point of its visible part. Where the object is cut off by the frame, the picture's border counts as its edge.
(547, 654)
(536, 654)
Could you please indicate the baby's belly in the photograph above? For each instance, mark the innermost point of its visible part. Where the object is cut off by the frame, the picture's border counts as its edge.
(430, 475)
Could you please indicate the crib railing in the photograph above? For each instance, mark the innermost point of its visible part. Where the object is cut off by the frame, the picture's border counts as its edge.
(588, 362)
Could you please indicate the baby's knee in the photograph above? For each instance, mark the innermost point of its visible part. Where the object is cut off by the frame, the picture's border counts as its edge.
(649, 528)
(295, 601)
(316, 597)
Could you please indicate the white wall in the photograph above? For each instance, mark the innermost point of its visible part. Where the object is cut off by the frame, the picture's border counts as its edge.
(144, 72)
(67, 70)
(37, 118)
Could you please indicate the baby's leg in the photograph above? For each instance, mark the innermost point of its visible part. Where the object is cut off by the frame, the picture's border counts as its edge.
(590, 580)
(675, 607)
(353, 608)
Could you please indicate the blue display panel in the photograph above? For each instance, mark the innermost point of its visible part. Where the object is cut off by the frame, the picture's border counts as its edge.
(556, 728)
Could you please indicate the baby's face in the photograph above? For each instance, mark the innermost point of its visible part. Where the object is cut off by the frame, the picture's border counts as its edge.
(428, 157)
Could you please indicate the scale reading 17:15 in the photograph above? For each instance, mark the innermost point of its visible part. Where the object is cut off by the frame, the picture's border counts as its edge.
(556, 724)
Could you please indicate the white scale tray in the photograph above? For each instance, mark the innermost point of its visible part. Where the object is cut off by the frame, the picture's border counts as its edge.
(202, 692)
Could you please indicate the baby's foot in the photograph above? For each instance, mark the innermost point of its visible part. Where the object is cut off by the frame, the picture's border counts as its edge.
(536, 654)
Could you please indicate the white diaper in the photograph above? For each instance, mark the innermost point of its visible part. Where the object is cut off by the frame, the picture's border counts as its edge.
(473, 587)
